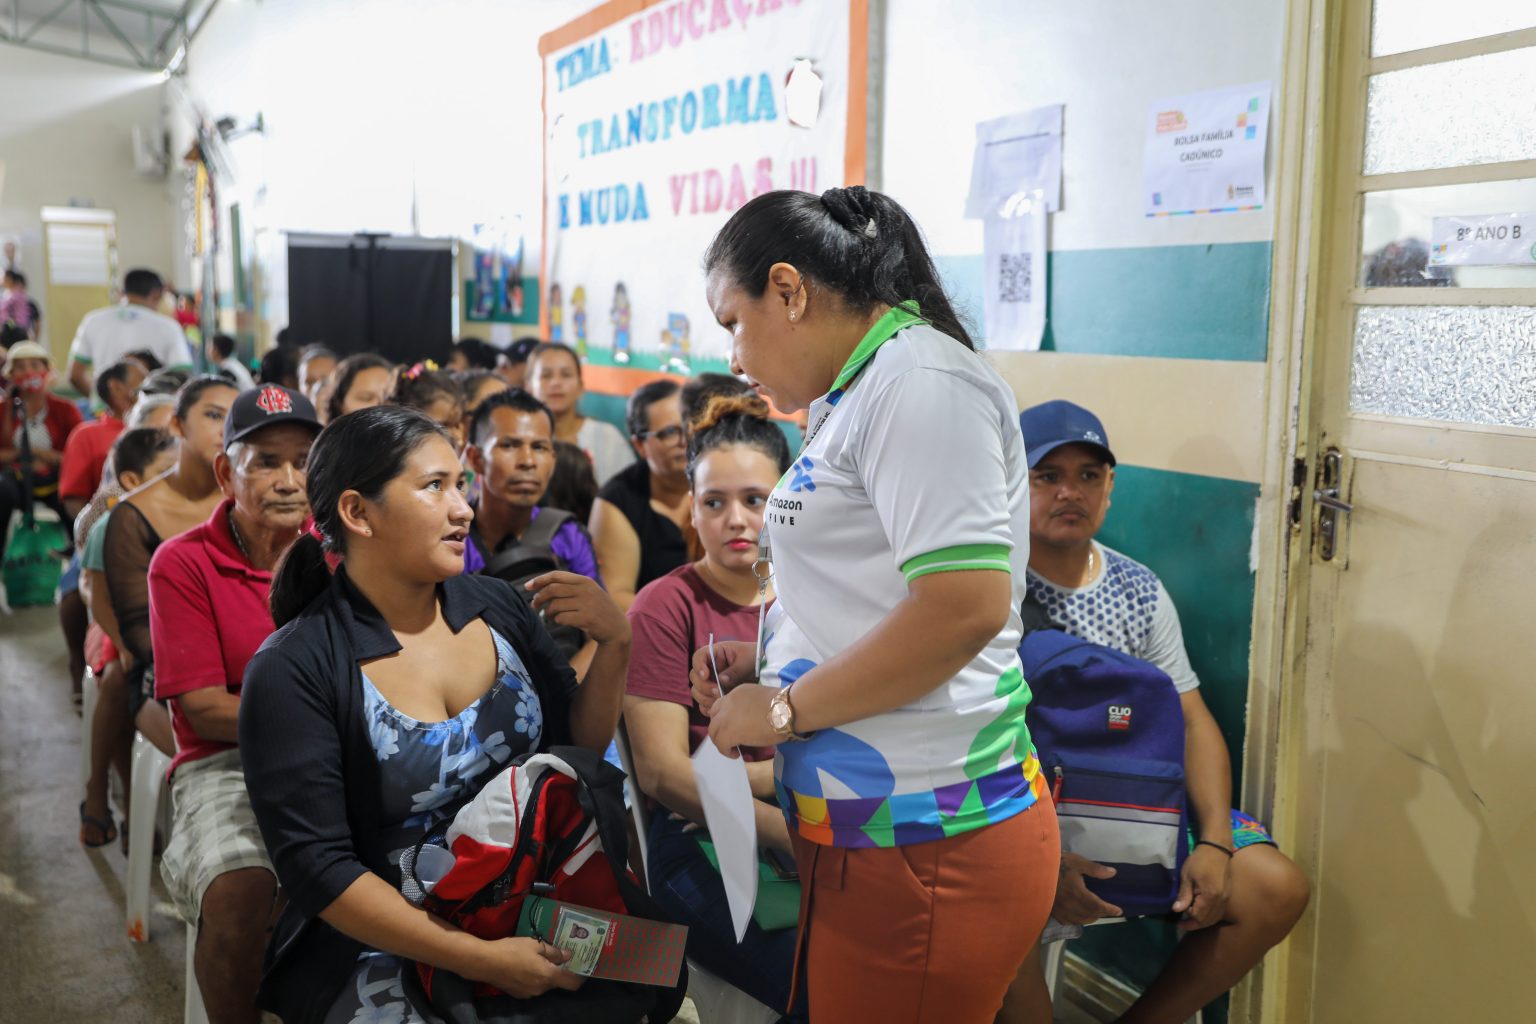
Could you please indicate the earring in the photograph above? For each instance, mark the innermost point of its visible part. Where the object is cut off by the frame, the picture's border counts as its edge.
(367, 533)
(792, 314)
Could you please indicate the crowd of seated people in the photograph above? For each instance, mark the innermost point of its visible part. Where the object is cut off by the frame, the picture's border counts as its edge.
(219, 523)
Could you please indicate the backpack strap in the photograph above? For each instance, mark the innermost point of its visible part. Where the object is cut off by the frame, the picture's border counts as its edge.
(541, 532)
(536, 542)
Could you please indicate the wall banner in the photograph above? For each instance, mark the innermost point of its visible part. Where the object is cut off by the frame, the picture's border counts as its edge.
(661, 120)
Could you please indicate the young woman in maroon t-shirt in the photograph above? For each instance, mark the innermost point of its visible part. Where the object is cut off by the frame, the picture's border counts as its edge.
(735, 456)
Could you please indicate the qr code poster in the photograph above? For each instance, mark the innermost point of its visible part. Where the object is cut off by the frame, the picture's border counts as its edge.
(1013, 277)
(1015, 282)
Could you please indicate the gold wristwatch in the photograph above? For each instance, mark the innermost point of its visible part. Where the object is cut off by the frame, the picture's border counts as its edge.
(781, 716)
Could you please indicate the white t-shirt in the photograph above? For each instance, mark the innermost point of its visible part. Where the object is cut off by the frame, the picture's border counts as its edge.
(106, 335)
(236, 369)
(1124, 607)
(606, 447)
(915, 466)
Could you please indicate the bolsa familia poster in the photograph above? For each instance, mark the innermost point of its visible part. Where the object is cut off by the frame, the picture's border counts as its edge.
(661, 120)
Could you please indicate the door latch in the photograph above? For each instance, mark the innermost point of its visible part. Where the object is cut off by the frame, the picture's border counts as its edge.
(1330, 504)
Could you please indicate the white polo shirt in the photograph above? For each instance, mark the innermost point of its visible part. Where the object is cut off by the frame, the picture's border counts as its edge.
(106, 335)
(914, 464)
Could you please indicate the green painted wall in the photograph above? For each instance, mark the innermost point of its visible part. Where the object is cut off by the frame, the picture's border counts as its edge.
(1178, 301)
(1196, 533)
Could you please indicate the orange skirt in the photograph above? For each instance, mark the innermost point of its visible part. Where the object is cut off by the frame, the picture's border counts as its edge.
(928, 932)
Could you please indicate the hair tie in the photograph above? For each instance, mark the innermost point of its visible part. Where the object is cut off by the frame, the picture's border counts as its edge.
(416, 370)
(332, 558)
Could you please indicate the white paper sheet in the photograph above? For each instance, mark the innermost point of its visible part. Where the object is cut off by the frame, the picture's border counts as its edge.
(1205, 152)
(730, 816)
(1013, 242)
(1017, 153)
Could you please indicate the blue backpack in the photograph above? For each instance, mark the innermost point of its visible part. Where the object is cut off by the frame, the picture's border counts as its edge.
(1109, 730)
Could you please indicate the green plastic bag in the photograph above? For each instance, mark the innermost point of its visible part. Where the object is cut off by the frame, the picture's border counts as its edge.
(778, 899)
(32, 570)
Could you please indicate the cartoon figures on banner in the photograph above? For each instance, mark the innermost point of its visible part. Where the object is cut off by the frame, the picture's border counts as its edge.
(619, 314)
(674, 343)
(579, 318)
(556, 314)
(498, 264)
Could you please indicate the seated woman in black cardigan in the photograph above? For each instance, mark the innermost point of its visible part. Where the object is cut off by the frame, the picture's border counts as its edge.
(392, 691)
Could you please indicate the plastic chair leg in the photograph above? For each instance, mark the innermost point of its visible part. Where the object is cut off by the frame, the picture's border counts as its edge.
(192, 1010)
(88, 692)
(149, 767)
(720, 1002)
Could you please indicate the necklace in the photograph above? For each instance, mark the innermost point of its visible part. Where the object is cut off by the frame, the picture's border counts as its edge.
(239, 540)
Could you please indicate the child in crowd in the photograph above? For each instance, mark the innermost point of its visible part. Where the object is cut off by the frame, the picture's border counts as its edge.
(735, 457)
(138, 456)
(435, 393)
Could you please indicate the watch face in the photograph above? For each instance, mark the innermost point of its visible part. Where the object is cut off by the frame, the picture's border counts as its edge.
(778, 716)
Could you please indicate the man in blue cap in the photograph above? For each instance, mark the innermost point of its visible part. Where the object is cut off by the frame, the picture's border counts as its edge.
(1240, 895)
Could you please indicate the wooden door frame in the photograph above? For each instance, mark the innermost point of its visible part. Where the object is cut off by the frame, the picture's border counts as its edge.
(1318, 184)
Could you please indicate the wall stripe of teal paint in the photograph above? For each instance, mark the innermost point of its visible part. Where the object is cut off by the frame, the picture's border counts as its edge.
(1195, 532)
(1178, 301)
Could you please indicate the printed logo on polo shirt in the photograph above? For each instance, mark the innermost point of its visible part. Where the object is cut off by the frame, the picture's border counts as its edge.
(274, 400)
(800, 475)
(1120, 717)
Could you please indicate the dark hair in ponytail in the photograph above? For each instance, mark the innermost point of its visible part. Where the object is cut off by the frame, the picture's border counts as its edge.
(862, 245)
(736, 419)
(362, 451)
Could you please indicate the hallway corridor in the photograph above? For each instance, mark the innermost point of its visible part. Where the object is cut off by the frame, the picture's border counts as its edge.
(61, 904)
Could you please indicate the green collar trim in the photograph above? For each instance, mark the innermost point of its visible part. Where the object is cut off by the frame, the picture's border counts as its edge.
(896, 319)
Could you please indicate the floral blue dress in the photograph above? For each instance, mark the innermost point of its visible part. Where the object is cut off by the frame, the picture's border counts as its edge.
(429, 770)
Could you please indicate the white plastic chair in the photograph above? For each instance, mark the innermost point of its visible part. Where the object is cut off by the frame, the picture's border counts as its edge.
(88, 693)
(1054, 959)
(148, 779)
(192, 1010)
(716, 1000)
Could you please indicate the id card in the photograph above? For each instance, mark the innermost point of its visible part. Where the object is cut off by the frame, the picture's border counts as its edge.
(583, 936)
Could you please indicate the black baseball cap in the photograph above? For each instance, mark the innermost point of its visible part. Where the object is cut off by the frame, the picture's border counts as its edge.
(521, 349)
(263, 406)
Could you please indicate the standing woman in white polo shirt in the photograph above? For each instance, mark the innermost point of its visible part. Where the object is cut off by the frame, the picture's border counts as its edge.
(888, 677)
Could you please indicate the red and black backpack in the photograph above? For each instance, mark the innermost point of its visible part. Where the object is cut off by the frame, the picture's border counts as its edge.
(552, 823)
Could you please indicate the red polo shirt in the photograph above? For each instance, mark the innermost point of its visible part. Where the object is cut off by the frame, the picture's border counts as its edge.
(85, 453)
(207, 615)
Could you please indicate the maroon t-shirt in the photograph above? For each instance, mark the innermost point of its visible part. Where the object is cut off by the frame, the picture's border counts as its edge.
(670, 619)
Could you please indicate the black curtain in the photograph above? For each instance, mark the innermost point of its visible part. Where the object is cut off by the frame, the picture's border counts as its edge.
(372, 293)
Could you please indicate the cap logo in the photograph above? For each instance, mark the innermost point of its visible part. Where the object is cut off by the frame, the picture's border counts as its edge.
(274, 400)
(1092, 435)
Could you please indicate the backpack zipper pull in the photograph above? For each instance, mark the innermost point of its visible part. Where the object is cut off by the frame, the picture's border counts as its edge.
(1056, 786)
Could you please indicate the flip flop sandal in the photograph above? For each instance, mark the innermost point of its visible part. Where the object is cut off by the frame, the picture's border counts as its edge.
(107, 828)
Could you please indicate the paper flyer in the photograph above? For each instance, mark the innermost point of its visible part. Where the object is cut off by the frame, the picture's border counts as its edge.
(1013, 244)
(1017, 153)
(1205, 152)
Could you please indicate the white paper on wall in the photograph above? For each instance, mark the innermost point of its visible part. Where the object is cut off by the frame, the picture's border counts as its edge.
(1017, 153)
(1013, 242)
(1205, 152)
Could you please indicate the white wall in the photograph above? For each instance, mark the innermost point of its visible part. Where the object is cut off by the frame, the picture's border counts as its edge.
(66, 136)
(374, 108)
(951, 65)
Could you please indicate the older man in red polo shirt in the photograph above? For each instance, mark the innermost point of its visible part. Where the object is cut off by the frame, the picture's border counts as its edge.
(208, 614)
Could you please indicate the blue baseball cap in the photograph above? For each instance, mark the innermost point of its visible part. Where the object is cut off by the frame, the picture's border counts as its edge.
(1050, 425)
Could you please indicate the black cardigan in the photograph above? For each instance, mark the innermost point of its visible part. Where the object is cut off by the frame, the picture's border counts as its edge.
(313, 775)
